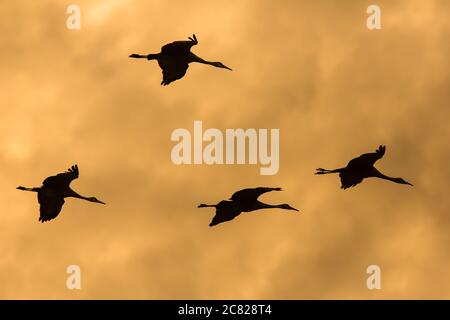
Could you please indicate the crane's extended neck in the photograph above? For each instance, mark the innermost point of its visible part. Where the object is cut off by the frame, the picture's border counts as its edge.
(262, 205)
(195, 58)
(217, 64)
(380, 175)
(73, 194)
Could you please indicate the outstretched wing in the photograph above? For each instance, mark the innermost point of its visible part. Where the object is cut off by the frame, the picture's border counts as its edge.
(225, 211)
(50, 206)
(350, 178)
(179, 47)
(62, 180)
(368, 159)
(251, 194)
(173, 70)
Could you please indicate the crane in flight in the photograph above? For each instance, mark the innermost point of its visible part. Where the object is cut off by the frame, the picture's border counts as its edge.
(245, 200)
(360, 168)
(53, 191)
(174, 59)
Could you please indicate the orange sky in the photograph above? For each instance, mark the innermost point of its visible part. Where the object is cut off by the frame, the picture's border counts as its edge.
(310, 68)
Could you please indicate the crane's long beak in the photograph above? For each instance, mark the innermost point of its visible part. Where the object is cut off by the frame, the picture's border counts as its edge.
(100, 202)
(227, 68)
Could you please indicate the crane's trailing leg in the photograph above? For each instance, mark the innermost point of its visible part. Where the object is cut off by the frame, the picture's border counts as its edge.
(149, 56)
(206, 205)
(137, 56)
(325, 171)
(28, 189)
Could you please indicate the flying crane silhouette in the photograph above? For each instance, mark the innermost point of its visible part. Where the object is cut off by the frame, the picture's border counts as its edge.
(245, 200)
(360, 168)
(53, 191)
(174, 59)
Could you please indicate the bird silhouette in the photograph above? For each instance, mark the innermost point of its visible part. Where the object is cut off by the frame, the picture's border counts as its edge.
(53, 191)
(174, 59)
(245, 200)
(360, 168)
